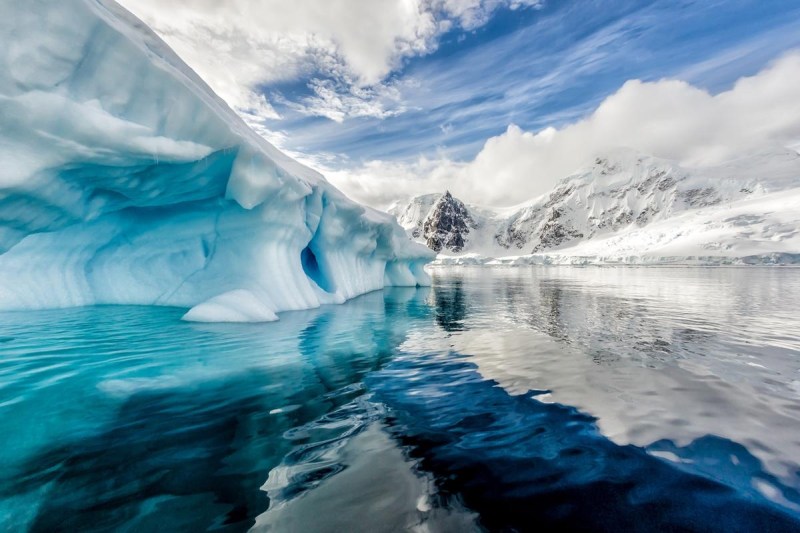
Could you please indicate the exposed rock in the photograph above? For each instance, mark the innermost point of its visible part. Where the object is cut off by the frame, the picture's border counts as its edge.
(555, 232)
(700, 197)
(447, 224)
(621, 192)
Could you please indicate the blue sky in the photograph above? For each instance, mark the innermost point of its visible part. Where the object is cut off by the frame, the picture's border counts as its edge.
(544, 67)
(494, 99)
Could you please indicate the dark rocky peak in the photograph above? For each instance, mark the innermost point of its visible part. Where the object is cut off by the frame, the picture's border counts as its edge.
(447, 224)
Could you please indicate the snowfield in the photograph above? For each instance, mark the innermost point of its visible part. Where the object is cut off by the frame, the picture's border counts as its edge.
(628, 208)
(126, 180)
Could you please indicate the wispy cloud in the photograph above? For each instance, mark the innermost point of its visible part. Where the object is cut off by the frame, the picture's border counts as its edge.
(405, 96)
(338, 100)
(668, 118)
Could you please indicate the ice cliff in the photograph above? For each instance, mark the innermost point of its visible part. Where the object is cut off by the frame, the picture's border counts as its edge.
(126, 180)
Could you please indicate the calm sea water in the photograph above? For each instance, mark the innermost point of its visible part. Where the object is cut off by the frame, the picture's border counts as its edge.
(607, 399)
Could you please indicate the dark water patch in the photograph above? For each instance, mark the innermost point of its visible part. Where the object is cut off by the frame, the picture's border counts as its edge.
(526, 465)
(208, 448)
(728, 461)
(450, 306)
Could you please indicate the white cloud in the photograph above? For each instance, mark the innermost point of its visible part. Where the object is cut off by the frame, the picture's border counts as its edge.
(670, 119)
(338, 100)
(472, 14)
(239, 45)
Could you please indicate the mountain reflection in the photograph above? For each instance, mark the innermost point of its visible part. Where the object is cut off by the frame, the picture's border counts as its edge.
(513, 401)
(450, 305)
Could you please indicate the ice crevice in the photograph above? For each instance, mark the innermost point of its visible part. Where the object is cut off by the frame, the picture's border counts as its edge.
(126, 180)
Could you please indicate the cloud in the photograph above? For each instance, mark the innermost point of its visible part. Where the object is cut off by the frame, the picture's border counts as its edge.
(472, 14)
(338, 100)
(669, 118)
(343, 49)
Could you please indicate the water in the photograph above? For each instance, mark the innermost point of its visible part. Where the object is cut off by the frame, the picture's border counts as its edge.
(509, 399)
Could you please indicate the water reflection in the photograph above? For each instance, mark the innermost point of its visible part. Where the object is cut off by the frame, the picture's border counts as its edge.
(524, 464)
(167, 451)
(188, 429)
(653, 353)
(580, 399)
(450, 305)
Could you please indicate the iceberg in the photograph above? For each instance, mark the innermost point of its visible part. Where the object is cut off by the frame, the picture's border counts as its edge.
(126, 180)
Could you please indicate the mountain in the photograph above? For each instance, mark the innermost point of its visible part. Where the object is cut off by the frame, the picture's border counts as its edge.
(442, 222)
(126, 180)
(630, 207)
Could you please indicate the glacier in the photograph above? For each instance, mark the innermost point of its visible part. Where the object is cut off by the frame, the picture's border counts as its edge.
(126, 180)
(626, 207)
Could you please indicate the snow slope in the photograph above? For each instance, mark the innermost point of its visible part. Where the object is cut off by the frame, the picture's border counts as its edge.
(631, 208)
(126, 180)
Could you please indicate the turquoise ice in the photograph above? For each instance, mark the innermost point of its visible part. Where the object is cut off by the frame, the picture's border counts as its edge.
(126, 180)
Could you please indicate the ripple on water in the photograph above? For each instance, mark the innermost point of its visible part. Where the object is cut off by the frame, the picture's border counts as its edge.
(596, 398)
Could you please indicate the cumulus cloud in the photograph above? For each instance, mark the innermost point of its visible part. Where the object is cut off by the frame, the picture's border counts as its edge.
(344, 49)
(669, 118)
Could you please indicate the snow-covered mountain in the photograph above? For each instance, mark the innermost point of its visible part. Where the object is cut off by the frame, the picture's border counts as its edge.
(126, 180)
(441, 221)
(629, 207)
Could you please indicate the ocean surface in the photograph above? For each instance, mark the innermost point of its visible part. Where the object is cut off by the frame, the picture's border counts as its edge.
(507, 399)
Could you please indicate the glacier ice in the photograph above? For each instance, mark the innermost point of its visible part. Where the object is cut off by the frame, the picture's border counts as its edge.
(126, 180)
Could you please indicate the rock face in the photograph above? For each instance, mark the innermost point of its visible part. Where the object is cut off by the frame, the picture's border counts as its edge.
(554, 232)
(440, 221)
(618, 191)
(447, 225)
(631, 203)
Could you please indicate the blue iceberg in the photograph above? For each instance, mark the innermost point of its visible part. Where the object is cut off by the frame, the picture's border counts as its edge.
(126, 180)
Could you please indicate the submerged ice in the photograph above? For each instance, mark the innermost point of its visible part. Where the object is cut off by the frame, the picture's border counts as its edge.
(125, 179)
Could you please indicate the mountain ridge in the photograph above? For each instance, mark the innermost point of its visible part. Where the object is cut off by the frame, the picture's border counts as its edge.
(635, 205)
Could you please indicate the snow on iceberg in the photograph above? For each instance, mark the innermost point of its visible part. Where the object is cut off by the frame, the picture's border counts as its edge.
(126, 180)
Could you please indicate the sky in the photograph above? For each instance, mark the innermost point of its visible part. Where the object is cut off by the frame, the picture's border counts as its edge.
(495, 100)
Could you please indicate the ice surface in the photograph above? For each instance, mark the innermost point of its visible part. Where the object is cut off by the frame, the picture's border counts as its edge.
(125, 179)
